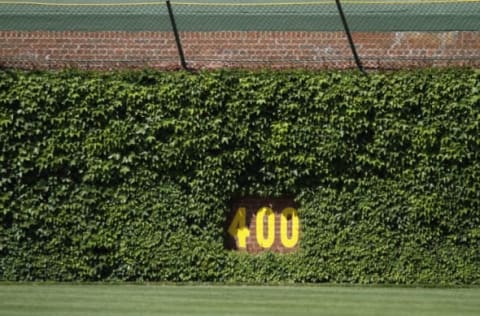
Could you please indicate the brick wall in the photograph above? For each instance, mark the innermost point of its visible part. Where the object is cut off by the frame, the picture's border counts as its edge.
(110, 50)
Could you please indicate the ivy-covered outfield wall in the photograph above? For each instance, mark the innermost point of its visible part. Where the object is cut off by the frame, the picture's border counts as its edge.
(130, 175)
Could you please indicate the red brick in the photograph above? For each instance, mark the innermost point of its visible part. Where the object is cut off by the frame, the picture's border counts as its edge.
(272, 49)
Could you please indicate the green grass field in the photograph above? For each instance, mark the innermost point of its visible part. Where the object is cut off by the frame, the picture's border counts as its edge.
(142, 300)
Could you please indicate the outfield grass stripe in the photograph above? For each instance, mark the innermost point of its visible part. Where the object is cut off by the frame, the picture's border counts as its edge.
(231, 300)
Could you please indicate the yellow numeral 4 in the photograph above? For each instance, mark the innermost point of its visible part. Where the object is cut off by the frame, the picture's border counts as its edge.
(238, 228)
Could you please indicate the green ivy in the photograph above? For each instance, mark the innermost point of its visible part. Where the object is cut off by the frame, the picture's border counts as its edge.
(129, 175)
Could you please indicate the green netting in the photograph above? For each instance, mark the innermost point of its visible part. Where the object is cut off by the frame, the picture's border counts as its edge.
(413, 15)
(251, 15)
(85, 16)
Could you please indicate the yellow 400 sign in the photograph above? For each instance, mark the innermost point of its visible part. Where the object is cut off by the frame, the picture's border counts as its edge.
(265, 229)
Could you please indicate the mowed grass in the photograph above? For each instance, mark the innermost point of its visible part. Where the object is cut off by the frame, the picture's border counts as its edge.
(139, 300)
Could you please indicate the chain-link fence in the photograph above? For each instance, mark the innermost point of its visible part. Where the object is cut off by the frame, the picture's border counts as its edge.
(212, 33)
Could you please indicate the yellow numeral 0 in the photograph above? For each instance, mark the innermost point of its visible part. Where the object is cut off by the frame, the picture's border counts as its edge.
(261, 240)
(289, 242)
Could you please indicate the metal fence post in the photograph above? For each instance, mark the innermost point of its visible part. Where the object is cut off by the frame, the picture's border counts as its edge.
(349, 36)
(177, 36)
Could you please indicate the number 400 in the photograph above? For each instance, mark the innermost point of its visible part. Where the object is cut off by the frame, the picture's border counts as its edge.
(239, 230)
